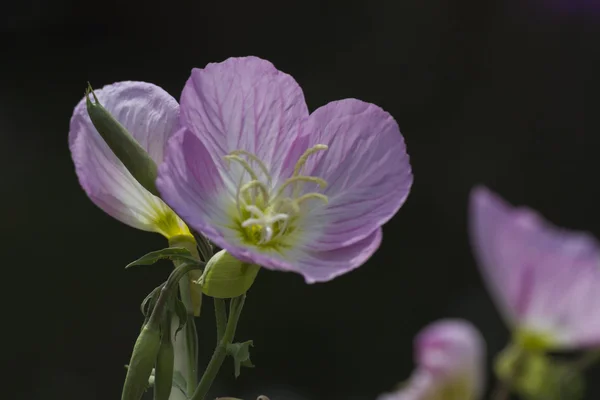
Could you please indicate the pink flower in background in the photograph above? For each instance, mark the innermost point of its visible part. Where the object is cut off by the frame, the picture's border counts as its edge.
(151, 115)
(450, 364)
(545, 280)
(275, 186)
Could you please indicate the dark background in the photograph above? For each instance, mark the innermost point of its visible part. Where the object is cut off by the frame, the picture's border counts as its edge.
(484, 91)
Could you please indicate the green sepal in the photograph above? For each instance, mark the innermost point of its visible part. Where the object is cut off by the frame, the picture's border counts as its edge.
(171, 253)
(241, 355)
(227, 277)
(133, 156)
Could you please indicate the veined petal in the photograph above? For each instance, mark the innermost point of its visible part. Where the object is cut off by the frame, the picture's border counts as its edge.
(314, 266)
(190, 182)
(544, 279)
(366, 168)
(244, 104)
(243, 119)
(151, 115)
(450, 358)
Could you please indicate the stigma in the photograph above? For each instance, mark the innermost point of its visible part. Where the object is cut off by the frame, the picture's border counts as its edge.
(268, 211)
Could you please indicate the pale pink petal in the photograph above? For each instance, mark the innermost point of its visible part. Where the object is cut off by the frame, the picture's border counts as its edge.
(544, 279)
(366, 168)
(190, 182)
(244, 103)
(150, 114)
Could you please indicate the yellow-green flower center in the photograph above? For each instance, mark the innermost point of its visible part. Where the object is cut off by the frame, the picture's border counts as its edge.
(266, 213)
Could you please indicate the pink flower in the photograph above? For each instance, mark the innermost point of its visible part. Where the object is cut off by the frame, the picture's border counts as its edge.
(275, 186)
(151, 115)
(545, 280)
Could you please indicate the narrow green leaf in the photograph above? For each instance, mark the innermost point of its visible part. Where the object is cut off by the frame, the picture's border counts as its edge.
(148, 304)
(182, 316)
(172, 253)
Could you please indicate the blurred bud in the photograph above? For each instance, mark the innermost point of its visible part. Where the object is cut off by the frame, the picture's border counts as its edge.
(450, 358)
(123, 144)
(142, 362)
(165, 361)
(227, 277)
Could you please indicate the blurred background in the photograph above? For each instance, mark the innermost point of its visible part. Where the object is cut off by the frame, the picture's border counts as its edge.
(485, 92)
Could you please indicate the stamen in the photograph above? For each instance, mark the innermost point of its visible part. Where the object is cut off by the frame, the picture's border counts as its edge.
(261, 186)
(254, 158)
(301, 178)
(238, 198)
(271, 217)
(307, 196)
(264, 221)
(244, 164)
(256, 211)
(292, 204)
(302, 160)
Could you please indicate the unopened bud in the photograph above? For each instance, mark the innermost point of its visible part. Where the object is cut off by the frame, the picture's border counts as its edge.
(142, 362)
(227, 277)
(163, 377)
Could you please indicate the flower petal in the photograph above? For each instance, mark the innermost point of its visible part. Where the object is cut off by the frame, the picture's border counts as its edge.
(314, 266)
(544, 279)
(190, 182)
(244, 103)
(151, 115)
(366, 167)
(450, 358)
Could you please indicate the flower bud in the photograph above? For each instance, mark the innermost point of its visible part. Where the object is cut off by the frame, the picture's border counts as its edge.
(123, 144)
(142, 361)
(227, 277)
(163, 377)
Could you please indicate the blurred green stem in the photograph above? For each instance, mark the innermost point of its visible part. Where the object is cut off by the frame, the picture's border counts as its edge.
(220, 353)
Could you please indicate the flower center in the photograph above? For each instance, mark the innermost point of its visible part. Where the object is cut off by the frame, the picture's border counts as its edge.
(267, 212)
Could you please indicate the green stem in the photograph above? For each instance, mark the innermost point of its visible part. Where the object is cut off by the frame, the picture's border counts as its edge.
(221, 351)
(188, 353)
(190, 338)
(221, 317)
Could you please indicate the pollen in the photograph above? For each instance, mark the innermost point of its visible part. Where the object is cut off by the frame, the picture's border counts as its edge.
(268, 212)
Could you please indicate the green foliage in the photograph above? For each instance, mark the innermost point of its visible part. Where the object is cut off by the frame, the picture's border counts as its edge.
(241, 355)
